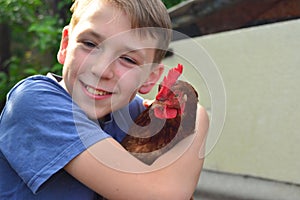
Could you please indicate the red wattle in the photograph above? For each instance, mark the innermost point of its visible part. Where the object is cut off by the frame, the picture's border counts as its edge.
(165, 113)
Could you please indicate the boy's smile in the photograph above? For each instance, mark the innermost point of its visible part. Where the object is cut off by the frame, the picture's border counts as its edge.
(96, 93)
(105, 61)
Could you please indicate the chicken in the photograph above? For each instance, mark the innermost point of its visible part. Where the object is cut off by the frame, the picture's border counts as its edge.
(168, 120)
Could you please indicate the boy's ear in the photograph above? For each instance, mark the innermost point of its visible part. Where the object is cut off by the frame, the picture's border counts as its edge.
(153, 78)
(61, 55)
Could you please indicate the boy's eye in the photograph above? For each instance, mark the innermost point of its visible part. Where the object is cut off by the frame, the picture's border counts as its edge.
(89, 44)
(129, 60)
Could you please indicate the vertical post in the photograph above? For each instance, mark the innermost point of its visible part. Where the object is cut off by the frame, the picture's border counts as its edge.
(4, 46)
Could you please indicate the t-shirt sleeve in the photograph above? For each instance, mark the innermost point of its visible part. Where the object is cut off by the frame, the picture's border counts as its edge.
(42, 130)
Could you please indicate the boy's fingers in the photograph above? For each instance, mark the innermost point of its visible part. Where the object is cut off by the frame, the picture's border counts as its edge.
(148, 102)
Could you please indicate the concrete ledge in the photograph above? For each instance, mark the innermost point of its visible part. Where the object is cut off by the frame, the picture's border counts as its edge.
(224, 186)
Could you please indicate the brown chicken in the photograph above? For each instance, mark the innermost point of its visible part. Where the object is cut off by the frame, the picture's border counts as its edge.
(168, 120)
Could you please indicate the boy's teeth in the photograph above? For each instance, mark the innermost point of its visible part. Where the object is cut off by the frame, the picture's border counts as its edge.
(96, 92)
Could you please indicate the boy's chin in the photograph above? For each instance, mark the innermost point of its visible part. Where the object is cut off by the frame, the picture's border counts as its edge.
(95, 115)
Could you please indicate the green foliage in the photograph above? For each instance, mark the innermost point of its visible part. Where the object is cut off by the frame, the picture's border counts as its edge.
(171, 3)
(17, 12)
(35, 27)
(46, 31)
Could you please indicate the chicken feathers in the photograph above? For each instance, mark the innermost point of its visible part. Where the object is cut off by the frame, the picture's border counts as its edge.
(168, 120)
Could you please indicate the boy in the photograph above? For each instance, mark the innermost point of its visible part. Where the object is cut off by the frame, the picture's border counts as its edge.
(59, 137)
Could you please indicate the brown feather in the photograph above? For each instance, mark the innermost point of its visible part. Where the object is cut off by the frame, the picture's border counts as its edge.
(150, 137)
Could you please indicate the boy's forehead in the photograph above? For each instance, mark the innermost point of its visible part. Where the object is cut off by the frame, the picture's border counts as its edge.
(103, 18)
(105, 22)
(96, 9)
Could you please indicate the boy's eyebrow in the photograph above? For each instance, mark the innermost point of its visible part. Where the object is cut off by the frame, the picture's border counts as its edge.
(91, 33)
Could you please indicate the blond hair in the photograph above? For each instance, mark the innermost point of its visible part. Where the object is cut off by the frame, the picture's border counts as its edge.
(143, 13)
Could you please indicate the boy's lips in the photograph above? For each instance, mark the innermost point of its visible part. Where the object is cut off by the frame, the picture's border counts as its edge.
(95, 92)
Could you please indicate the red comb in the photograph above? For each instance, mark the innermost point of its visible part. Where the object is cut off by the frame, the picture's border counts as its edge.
(169, 80)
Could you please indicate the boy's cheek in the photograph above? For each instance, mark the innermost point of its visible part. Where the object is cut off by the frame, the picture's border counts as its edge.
(77, 62)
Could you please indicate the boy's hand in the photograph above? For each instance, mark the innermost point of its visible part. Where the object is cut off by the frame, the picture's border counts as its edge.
(148, 102)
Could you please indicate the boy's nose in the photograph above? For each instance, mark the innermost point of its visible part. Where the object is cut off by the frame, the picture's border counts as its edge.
(103, 69)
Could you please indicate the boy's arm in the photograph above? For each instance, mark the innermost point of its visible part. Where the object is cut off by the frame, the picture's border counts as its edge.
(175, 181)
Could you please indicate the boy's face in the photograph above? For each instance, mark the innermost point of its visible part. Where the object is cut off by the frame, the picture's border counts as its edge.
(105, 63)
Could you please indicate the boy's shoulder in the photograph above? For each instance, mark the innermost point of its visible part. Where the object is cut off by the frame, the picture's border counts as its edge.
(49, 79)
(36, 92)
(38, 83)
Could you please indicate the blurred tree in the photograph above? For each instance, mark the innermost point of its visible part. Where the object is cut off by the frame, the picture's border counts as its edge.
(4, 45)
(171, 3)
(30, 35)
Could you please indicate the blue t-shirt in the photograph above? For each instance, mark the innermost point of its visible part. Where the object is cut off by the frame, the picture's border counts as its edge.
(41, 130)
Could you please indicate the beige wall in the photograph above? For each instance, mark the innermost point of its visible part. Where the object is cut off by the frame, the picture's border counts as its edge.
(260, 68)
